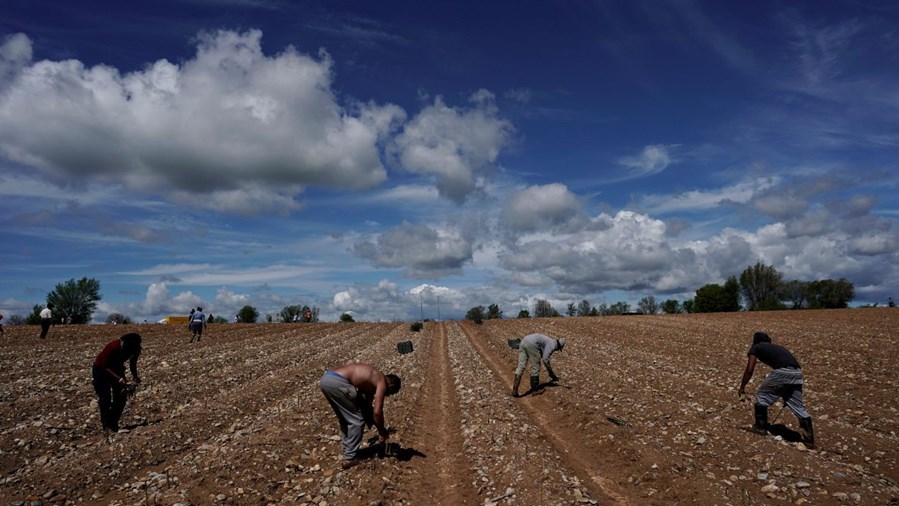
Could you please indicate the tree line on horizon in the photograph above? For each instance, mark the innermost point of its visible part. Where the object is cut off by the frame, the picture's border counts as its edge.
(758, 288)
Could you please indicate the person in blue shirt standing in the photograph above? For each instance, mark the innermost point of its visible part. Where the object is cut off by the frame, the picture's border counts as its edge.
(197, 324)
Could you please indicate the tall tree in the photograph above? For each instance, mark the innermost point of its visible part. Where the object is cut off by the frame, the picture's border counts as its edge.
(830, 294)
(671, 306)
(571, 310)
(714, 298)
(291, 314)
(583, 308)
(796, 292)
(524, 313)
(475, 314)
(543, 309)
(248, 314)
(75, 301)
(760, 285)
(648, 305)
(494, 312)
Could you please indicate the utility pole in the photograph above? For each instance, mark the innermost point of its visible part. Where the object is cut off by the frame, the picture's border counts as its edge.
(421, 307)
(438, 308)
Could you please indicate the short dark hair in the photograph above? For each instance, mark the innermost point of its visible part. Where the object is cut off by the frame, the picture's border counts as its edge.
(393, 384)
(131, 342)
(760, 337)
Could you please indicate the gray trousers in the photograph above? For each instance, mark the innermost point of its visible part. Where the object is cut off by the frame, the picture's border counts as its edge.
(785, 384)
(527, 352)
(344, 400)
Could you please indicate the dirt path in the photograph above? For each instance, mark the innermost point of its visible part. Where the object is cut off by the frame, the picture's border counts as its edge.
(442, 475)
(540, 411)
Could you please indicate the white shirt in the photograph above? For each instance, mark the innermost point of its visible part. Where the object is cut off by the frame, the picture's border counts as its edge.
(46, 313)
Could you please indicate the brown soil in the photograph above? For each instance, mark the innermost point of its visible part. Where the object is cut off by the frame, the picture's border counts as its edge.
(645, 413)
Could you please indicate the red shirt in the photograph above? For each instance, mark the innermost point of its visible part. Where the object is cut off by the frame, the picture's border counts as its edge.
(113, 357)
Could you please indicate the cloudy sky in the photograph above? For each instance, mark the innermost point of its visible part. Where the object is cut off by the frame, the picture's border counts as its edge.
(378, 157)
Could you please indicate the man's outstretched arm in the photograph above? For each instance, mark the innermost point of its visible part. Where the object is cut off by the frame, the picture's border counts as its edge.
(747, 375)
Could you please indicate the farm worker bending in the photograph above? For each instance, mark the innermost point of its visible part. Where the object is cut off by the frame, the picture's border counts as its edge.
(535, 348)
(785, 381)
(109, 378)
(356, 392)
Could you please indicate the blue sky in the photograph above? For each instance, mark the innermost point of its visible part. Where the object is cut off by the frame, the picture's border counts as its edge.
(374, 157)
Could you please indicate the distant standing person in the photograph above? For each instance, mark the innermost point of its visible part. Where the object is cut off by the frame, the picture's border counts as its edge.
(1, 323)
(356, 393)
(536, 348)
(109, 378)
(784, 381)
(197, 324)
(46, 319)
(891, 302)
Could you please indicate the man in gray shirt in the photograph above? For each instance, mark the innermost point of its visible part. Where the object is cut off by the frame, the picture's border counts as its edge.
(536, 348)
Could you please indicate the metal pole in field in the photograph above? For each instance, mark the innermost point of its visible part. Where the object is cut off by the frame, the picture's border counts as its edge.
(438, 308)
(421, 307)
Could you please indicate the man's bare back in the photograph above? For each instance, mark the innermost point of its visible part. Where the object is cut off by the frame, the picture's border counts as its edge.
(363, 376)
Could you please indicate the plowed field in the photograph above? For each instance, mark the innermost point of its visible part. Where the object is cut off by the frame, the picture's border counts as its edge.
(645, 413)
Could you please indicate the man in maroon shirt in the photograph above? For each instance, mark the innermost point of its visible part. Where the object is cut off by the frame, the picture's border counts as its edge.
(109, 378)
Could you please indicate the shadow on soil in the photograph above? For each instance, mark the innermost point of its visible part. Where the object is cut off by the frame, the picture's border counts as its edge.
(788, 435)
(388, 451)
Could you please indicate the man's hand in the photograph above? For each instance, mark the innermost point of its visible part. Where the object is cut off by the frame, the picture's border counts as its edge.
(383, 436)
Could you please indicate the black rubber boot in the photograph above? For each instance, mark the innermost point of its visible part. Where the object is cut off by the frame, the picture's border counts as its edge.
(535, 383)
(761, 420)
(807, 432)
(515, 385)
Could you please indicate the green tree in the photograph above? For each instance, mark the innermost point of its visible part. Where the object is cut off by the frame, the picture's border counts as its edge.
(35, 317)
(219, 319)
(760, 286)
(830, 294)
(75, 301)
(796, 292)
(543, 309)
(347, 318)
(671, 306)
(714, 298)
(689, 306)
(291, 314)
(583, 308)
(571, 309)
(248, 314)
(524, 313)
(475, 314)
(494, 312)
(648, 305)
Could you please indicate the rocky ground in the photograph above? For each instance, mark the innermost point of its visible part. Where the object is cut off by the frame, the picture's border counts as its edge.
(645, 413)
